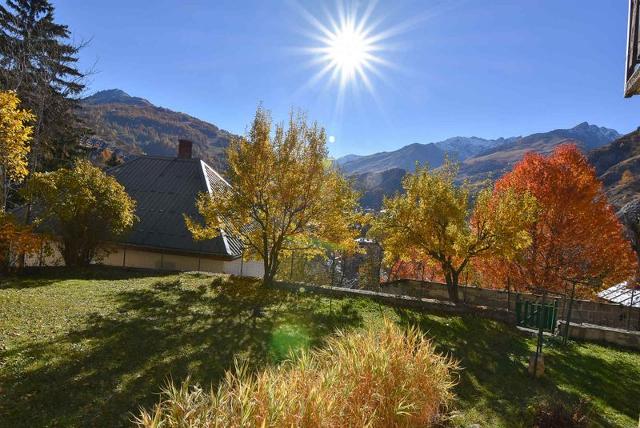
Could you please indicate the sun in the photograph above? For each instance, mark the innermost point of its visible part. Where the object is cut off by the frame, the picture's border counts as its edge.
(349, 51)
(348, 46)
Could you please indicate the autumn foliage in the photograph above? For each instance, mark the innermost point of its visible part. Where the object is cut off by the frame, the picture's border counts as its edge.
(285, 196)
(576, 237)
(376, 378)
(437, 220)
(15, 139)
(83, 207)
(16, 240)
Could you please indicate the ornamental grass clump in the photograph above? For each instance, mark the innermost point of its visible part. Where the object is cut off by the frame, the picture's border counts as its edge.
(386, 377)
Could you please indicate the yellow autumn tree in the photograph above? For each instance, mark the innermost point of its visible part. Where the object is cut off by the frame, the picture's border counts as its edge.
(285, 195)
(15, 138)
(435, 219)
(626, 178)
(82, 207)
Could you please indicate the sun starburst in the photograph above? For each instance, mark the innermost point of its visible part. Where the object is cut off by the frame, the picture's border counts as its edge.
(349, 51)
(348, 46)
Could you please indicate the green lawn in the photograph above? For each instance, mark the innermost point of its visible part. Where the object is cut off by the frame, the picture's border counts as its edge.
(87, 348)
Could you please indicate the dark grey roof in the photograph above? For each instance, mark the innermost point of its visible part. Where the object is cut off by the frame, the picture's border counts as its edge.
(164, 189)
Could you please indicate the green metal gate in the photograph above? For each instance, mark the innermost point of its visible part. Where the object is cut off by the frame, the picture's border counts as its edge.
(535, 314)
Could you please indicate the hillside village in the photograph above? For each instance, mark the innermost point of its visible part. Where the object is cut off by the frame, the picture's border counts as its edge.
(158, 270)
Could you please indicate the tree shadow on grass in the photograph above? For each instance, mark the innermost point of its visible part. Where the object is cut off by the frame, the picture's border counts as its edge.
(100, 374)
(493, 360)
(611, 382)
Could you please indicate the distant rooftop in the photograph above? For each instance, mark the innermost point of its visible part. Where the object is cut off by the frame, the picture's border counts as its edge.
(621, 293)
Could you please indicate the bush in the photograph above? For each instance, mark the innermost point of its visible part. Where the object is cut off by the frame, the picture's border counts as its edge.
(83, 207)
(557, 414)
(16, 240)
(374, 378)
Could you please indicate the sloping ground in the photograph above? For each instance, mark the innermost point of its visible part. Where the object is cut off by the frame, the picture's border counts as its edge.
(492, 166)
(459, 148)
(374, 186)
(618, 167)
(479, 167)
(87, 348)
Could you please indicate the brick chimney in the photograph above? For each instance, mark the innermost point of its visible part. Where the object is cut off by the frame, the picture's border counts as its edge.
(184, 149)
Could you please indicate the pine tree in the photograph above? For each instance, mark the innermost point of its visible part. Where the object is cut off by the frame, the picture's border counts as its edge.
(39, 63)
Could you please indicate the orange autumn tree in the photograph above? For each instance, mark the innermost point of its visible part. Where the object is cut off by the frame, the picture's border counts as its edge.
(16, 240)
(576, 236)
(414, 266)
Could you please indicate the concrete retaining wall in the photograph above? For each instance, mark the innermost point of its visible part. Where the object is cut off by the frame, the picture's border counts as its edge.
(609, 335)
(583, 311)
(431, 305)
(596, 333)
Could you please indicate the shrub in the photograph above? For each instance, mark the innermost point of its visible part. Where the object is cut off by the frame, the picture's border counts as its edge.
(557, 414)
(15, 240)
(375, 378)
(83, 207)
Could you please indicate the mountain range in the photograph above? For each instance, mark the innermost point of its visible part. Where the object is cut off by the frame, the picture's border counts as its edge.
(125, 125)
(481, 161)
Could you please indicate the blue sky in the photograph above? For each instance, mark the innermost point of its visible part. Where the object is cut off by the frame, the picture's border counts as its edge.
(484, 68)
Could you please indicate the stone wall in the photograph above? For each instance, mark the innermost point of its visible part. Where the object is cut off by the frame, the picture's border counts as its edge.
(583, 311)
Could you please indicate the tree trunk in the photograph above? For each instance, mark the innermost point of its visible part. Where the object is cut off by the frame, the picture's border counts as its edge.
(267, 277)
(270, 270)
(452, 284)
(4, 182)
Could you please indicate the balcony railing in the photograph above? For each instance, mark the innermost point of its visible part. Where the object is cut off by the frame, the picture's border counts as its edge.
(632, 74)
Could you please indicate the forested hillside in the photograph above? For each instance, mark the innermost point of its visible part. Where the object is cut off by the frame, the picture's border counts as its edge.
(129, 125)
(618, 167)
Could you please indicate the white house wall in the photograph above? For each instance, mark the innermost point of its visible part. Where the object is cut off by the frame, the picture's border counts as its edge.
(137, 258)
(48, 256)
(253, 268)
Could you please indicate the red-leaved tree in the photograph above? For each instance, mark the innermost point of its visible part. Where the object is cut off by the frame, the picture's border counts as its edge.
(576, 237)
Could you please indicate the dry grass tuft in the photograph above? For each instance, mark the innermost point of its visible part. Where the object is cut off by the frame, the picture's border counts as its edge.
(376, 378)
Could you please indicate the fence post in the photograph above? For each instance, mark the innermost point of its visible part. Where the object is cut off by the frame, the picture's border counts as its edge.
(568, 319)
(554, 316)
(291, 267)
(540, 320)
(633, 290)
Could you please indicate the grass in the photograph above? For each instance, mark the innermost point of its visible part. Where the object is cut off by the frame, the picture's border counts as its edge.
(378, 377)
(88, 348)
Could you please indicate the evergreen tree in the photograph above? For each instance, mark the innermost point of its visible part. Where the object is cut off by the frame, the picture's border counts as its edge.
(39, 63)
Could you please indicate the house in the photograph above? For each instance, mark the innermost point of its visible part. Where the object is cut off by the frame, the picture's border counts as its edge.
(166, 188)
(632, 69)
